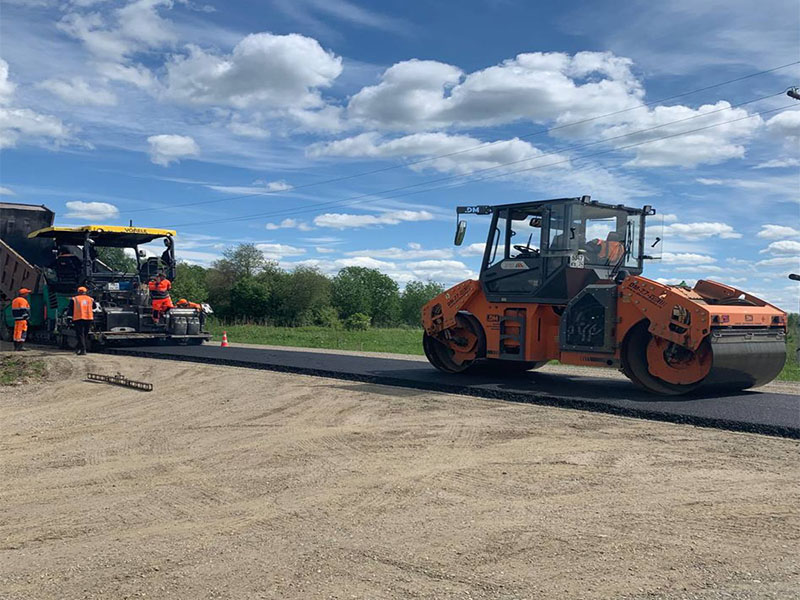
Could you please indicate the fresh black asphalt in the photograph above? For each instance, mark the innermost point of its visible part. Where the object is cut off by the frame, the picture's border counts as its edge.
(753, 411)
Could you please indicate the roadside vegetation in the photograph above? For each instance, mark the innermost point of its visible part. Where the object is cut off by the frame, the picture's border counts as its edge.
(791, 372)
(15, 370)
(245, 287)
(399, 340)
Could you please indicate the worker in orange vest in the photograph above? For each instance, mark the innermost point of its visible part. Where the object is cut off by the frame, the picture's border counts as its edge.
(184, 303)
(159, 294)
(81, 308)
(21, 311)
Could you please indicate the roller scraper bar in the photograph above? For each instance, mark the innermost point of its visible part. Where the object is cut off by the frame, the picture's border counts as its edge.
(120, 379)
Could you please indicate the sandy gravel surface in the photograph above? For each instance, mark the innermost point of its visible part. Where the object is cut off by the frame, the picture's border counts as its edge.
(235, 483)
(775, 387)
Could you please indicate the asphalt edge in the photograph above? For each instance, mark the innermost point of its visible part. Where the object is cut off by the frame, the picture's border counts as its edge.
(532, 398)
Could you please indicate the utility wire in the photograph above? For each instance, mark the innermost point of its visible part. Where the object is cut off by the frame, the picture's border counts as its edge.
(465, 150)
(471, 176)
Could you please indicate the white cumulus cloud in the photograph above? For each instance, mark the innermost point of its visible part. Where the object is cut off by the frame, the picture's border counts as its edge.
(78, 91)
(424, 94)
(403, 254)
(4, 191)
(91, 211)
(271, 71)
(783, 248)
(278, 251)
(719, 143)
(349, 221)
(289, 224)
(778, 163)
(116, 34)
(785, 125)
(166, 148)
(23, 123)
(6, 86)
(699, 231)
(776, 232)
(467, 154)
(686, 258)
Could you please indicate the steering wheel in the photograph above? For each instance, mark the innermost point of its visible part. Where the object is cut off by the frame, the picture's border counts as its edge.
(526, 250)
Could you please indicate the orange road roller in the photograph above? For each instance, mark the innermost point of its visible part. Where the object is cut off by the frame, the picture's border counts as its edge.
(561, 280)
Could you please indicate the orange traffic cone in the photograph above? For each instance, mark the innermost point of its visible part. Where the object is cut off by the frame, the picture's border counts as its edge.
(224, 343)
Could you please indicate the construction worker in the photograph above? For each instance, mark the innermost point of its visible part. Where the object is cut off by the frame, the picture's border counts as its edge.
(608, 251)
(81, 307)
(159, 294)
(184, 303)
(21, 311)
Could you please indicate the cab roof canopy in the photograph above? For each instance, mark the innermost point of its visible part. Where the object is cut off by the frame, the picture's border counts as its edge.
(102, 235)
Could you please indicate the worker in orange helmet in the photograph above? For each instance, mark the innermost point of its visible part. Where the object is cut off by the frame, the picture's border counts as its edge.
(21, 311)
(81, 307)
(184, 303)
(159, 294)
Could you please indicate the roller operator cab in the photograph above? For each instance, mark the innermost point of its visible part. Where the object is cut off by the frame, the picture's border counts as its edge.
(54, 261)
(561, 280)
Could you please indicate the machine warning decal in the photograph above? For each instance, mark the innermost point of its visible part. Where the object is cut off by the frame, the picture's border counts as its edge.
(454, 297)
(650, 296)
(513, 265)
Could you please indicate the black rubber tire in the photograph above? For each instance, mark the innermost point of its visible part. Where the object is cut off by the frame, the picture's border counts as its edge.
(635, 367)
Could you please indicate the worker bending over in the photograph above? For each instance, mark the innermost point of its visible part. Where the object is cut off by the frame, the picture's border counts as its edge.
(184, 303)
(159, 294)
(81, 307)
(21, 311)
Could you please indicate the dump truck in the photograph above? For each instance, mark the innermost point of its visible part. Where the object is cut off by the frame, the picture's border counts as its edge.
(562, 280)
(53, 261)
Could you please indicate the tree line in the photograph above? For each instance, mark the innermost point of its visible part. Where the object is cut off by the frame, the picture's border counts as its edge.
(243, 285)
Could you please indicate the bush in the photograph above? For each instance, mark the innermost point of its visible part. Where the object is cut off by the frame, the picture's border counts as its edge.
(357, 322)
(326, 316)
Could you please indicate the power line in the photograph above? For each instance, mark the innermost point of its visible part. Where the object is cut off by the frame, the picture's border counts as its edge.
(465, 150)
(383, 193)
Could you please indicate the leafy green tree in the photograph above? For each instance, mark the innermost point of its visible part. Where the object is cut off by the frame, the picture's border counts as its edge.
(299, 294)
(243, 260)
(116, 259)
(366, 291)
(349, 292)
(250, 298)
(190, 283)
(415, 296)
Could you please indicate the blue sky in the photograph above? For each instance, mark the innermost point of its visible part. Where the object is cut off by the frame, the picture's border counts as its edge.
(227, 121)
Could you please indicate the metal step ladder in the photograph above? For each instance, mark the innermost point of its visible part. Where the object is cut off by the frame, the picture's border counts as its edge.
(517, 316)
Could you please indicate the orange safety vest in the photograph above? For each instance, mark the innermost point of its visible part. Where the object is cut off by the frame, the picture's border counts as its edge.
(193, 305)
(82, 308)
(611, 251)
(20, 309)
(159, 289)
